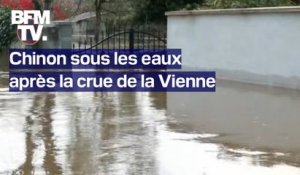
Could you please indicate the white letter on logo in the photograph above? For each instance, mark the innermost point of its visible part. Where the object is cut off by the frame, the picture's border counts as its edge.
(42, 19)
(36, 34)
(17, 17)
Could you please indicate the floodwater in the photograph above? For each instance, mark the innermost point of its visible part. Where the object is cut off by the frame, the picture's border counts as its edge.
(241, 130)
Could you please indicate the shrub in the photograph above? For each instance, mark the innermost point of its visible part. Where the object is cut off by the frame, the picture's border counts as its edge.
(63, 9)
(7, 31)
(18, 4)
(154, 10)
(247, 3)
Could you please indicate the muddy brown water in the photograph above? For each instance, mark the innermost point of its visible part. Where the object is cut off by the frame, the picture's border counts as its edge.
(150, 133)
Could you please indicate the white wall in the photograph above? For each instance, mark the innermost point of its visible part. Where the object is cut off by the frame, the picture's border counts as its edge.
(253, 45)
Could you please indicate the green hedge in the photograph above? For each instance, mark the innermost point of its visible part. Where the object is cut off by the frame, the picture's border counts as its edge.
(7, 31)
(153, 10)
(247, 3)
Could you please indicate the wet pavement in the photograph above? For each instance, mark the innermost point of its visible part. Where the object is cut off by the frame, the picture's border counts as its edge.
(150, 133)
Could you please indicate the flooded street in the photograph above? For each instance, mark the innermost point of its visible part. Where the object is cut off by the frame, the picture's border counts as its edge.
(242, 129)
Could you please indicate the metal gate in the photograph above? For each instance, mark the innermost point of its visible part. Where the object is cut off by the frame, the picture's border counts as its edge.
(126, 38)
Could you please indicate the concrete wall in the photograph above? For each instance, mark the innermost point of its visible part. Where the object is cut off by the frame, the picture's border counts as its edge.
(259, 45)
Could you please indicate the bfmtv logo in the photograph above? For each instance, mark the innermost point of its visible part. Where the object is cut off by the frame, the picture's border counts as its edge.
(30, 25)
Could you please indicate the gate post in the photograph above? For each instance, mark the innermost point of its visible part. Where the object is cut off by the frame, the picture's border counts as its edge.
(131, 38)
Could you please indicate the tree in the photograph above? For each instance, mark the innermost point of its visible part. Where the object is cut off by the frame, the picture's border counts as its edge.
(7, 31)
(17, 4)
(154, 10)
(248, 3)
(98, 10)
(37, 4)
(61, 10)
(296, 1)
(109, 8)
(48, 4)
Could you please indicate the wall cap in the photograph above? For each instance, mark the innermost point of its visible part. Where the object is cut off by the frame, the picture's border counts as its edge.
(285, 9)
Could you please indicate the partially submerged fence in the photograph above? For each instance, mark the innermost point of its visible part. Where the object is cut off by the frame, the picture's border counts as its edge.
(123, 37)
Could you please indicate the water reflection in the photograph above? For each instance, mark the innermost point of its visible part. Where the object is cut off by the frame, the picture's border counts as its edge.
(114, 133)
(40, 136)
(126, 133)
(251, 116)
